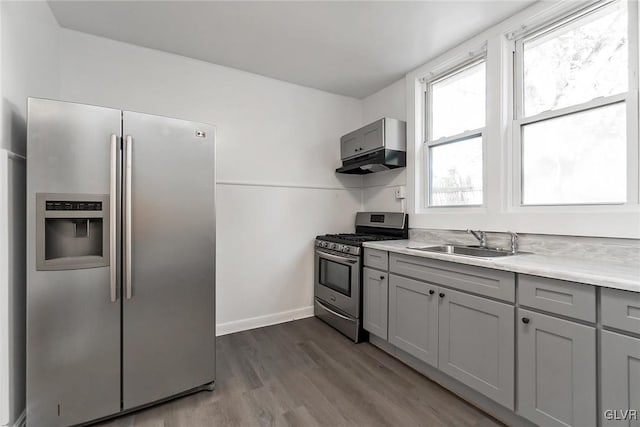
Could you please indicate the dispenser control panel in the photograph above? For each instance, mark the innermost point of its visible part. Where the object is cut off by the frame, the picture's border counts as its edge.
(55, 205)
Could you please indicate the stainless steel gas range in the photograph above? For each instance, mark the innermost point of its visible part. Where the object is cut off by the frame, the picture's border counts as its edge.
(338, 269)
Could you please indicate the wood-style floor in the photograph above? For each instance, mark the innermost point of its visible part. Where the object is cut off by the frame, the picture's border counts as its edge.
(304, 373)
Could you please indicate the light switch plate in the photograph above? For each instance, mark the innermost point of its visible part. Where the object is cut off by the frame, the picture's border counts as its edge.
(400, 192)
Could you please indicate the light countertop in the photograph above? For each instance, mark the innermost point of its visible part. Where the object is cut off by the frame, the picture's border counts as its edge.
(593, 272)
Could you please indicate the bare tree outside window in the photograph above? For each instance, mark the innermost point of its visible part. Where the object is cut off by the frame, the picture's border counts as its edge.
(573, 137)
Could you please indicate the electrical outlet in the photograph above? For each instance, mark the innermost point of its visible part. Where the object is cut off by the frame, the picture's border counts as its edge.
(400, 192)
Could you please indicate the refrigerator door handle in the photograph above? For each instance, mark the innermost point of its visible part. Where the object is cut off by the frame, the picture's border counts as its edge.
(112, 218)
(128, 290)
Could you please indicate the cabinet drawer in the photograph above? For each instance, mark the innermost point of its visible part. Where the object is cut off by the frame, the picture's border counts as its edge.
(558, 296)
(621, 309)
(376, 259)
(483, 281)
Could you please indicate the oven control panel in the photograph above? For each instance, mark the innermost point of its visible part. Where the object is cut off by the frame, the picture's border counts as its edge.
(347, 249)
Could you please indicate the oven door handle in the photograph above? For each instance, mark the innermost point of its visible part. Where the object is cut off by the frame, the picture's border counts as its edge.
(342, 316)
(337, 258)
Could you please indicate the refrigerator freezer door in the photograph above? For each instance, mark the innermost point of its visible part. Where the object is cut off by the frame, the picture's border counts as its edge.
(169, 318)
(73, 326)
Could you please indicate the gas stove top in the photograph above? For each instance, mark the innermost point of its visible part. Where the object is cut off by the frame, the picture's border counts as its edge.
(370, 227)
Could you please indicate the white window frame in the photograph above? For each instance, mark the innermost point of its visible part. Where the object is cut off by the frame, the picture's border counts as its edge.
(474, 59)
(501, 164)
(630, 98)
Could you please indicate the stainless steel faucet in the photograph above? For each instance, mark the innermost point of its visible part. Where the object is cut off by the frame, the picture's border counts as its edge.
(514, 242)
(480, 235)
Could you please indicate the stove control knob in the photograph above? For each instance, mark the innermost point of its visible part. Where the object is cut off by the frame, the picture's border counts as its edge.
(332, 246)
(345, 249)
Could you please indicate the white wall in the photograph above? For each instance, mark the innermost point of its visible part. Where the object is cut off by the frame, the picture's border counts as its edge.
(29, 46)
(379, 188)
(29, 64)
(277, 150)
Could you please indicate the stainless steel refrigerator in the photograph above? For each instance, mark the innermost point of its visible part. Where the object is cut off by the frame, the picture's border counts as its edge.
(120, 261)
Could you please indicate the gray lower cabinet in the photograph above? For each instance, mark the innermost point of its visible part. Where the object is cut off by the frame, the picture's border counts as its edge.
(620, 384)
(476, 343)
(375, 301)
(556, 371)
(413, 318)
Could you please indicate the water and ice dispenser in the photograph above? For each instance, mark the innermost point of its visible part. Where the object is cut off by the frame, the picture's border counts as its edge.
(72, 231)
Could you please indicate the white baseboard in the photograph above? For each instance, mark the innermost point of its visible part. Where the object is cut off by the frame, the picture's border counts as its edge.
(260, 321)
(21, 421)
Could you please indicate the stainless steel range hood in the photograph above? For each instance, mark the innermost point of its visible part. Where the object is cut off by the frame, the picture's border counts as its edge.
(376, 147)
(376, 161)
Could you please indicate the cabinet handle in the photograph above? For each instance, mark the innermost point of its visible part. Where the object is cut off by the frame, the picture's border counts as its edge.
(431, 292)
(441, 294)
(381, 277)
(525, 320)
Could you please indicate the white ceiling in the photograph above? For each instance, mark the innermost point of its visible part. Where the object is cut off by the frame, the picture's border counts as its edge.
(350, 48)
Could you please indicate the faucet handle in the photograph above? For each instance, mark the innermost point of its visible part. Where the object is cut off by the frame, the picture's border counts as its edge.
(480, 235)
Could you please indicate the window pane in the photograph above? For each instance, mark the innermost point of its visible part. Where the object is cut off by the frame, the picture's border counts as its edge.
(579, 158)
(578, 62)
(458, 102)
(456, 173)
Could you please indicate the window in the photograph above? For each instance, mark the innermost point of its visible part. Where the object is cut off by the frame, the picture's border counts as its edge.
(456, 119)
(545, 139)
(572, 85)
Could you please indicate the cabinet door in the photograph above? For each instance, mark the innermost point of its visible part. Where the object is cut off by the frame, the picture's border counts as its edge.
(413, 318)
(375, 298)
(620, 380)
(556, 371)
(476, 343)
(350, 144)
(372, 137)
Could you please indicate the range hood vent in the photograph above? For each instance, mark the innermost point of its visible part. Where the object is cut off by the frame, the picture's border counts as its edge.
(376, 147)
(376, 161)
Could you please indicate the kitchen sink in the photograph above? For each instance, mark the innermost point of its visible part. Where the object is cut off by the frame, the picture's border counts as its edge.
(474, 251)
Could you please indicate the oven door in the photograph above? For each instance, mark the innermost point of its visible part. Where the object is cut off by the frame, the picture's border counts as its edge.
(337, 281)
